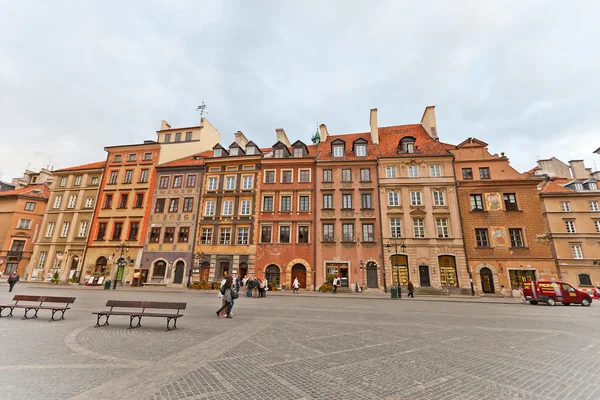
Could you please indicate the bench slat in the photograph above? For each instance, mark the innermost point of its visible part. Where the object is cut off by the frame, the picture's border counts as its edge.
(54, 299)
(124, 303)
(24, 297)
(162, 305)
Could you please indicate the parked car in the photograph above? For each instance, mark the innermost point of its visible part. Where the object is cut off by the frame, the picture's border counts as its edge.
(550, 292)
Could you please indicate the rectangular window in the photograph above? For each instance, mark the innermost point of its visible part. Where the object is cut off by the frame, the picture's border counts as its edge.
(419, 227)
(144, 176)
(43, 256)
(393, 199)
(83, 229)
(245, 207)
(169, 236)
(516, 237)
(228, 207)
(269, 176)
(168, 138)
(415, 199)
(89, 202)
(117, 230)
(29, 206)
(94, 180)
(247, 182)
(346, 175)
(173, 205)
(327, 175)
(597, 225)
(78, 180)
(594, 206)
(278, 153)
(442, 227)
(188, 204)
(188, 136)
(268, 203)
(184, 234)
(206, 237)
(481, 237)
(366, 200)
(286, 203)
(284, 234)
(134, 228)
(484, 173)
(438, 198)
(346, 200)
(413, 171)
(147, 156)
(160, 206)
(368, 233)
(217, 152)
(190, 181)
(128, 176)
(132, 157)
(164, 182)
(476, 202)
(395, 228)
(365, 175)
(242, 236)
(298, 152)
(117, 158)
(209, 209)
(577, 251)
(510, 202)
(178, 137)
(303, 234)
(348, 232)
(328, 233)
(123, 200)
(101, 231)
(304, 175)
(390, 172)
(108, 201)
(570, 225)
(177, 181)
(212, 183)
(286, 176)
(230, 183)
(63, 181)
(139, 200)
(57, 261)
(304, 203)
(266, 232)
(328, 201)
(338, 151)
(467, 173)
(361, 150)
(72, 201)
(435, 170)
(50, 229)
(57, 201)
(24, 224)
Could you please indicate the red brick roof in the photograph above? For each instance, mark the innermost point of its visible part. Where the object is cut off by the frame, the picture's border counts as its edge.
(555, 186)
(188, 161)
(389, 138)
(96, 165)
(324, 148)
(39, 191)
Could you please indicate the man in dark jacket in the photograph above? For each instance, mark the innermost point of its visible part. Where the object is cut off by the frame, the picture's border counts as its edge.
(12, 280)
(411, 290)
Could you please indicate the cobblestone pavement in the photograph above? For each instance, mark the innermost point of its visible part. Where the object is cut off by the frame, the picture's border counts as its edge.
(300, 347)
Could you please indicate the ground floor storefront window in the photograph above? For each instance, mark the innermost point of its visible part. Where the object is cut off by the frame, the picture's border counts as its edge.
(448, 275)
(400, 269)
(338, 270)
(518, 276)
(272, 274)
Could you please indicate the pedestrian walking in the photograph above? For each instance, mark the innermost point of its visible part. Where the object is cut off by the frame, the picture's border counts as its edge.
(238, 282)
(335, 284)
(227, 292)
(12, 280)
(296, 285)
(411, 289)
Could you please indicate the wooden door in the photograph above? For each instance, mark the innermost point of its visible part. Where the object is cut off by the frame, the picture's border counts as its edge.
(299, 271)
(204, 272)
(424, 275)
(372, 277)
(487, 280)
(179, 267)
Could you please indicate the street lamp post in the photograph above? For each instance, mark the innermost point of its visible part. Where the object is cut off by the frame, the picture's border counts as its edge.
(121, 262)
(395, 244)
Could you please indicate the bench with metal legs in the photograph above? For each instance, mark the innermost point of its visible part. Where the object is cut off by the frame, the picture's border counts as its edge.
(24, 301)
(135, 316)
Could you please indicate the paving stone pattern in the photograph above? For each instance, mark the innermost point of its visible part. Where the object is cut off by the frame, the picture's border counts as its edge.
(295, 347)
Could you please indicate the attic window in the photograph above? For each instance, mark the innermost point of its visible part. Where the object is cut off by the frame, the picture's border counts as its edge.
(217, 153)
(196, 157)
(360, 150)
(407, 145)
(592, 186)
(338, 151)
(233, 151)
(578, 186)
(250, 150)
(278, 153)
(298, 152)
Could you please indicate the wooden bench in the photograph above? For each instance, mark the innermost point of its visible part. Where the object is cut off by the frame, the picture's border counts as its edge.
(42, 300)
(141, 307)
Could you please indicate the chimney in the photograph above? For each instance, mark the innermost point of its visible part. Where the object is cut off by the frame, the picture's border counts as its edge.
(282, 137)
(323, 133)
(428, 122)
(241, 140)
(164, 125)
(578, 169)
(374, 127)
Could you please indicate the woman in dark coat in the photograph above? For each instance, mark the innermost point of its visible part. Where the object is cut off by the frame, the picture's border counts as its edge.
(226, 291)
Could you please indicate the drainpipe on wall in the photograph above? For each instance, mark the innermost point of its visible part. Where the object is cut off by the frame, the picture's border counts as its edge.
(462, 231)
(381, 226)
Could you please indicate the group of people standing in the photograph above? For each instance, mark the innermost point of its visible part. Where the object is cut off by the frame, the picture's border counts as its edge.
(255, 287)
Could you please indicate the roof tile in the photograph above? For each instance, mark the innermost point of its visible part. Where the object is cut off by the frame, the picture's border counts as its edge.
(39, 191)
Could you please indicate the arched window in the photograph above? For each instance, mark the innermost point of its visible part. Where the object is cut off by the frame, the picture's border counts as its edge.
(272, 274)
(448, 276)
(400, 269)
(584, 280)
(160, 267)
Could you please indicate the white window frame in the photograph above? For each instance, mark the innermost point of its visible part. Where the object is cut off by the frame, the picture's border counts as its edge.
(217, 152)
(24, 224)
(247, 182)
(298, 152)
(281, 208)
(83, 229)
(393, 199)
(213, 183)
(291, 171)
(395, 228)
(597, 225)
(50, 229)
(94, 180)
(245, 238)
(245, 207)
(262, 205)
(227, 204)
(361, 150)
(338, 151)
(72, 201)
(439, 198)
(57, 201)
(592, 186)
(442, 227)
(594, 206)
(209, 208)
(234, 151)
(419, 228)
(577, 251)
(435, 170)
(274, 172)
(390, 172)
(570, 226)
(279, 231)
(78, 179)
(300, 175)
(42, 261)
(565, 206)
(206, 236)
(224, 231)
(413, 171)
(230, 183)
(300, 202)
(63, 181)
(89, 202)
(65, 229)
(416, 198)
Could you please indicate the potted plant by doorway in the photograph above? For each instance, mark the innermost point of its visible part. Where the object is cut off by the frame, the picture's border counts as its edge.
(54, 279)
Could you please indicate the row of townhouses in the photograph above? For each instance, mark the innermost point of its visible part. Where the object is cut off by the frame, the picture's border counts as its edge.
(375, 209)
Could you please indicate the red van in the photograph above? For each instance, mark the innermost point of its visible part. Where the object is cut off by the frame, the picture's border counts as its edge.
(550, 292)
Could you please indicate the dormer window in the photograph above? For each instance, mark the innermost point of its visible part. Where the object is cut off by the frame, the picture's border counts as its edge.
(360, 150)
(407, 145)
(233, 151)
(578, 186)
(298, 152)
(168, 138)
(338, 151)
(217, 153)
(278, 153)
(592, 186)
(251, 150)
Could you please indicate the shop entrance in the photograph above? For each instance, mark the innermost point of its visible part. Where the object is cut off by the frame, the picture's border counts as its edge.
(518, 276)
(338, 270)
(487, 280)
(299, 271)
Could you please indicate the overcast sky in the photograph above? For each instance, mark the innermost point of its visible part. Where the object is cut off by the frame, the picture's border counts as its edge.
(76, 76)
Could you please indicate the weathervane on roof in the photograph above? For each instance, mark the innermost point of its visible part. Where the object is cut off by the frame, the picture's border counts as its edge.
(202, 109)
(316, 138)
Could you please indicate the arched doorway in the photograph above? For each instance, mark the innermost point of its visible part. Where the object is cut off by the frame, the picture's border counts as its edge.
(448, 275)
(487, 280)
(372, 275)
(400, 271)
(100, 266)
(159, 270)
(204, 271)
(179, 270)
(243, 270)
(299, 271)
(272, 274)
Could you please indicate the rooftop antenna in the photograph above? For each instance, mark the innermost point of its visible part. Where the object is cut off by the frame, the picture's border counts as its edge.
(202, 109)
